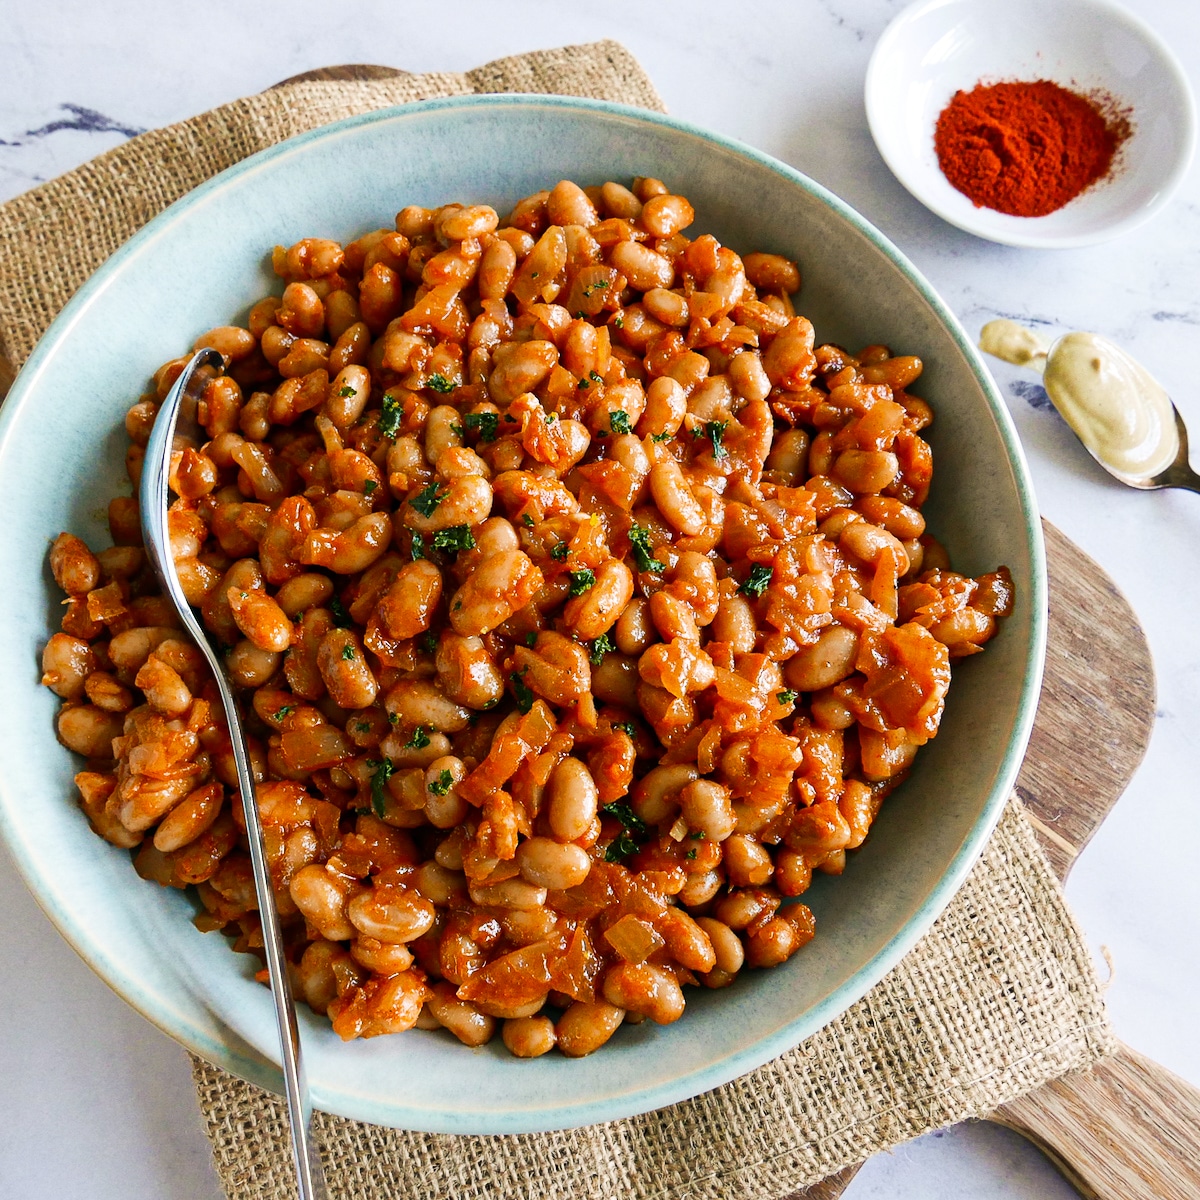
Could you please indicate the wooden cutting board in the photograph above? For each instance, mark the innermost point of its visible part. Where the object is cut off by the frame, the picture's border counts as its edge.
(1128, 1129)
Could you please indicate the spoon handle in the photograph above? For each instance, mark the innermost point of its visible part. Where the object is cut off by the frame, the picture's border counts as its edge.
(153, 501)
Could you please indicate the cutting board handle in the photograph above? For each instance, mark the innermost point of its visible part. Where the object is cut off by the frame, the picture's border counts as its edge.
(1126, 1130)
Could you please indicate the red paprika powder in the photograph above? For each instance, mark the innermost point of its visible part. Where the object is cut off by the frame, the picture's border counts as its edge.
(1025, 148)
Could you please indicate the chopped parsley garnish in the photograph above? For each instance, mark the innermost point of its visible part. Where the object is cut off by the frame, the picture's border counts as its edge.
(665, 436)
(583, 384)
(345, 392)
(599, 286)
(595, 377)
(551, 417)
(639, 539)
(348, 653)
(369, 487)
(418, 546)
(280, 713)
(787, 696)
(442, 784)
(619, 421)
(582, 581)
(600, 647)
(439, 383)
(619, 322)
(393, 719)
(625, 727)
(756, 582)
(531, 639)
(715, 431)
(429, 642)
(341, 618)
(390, 418)
(560, 552)
(362, 726)
(527, 520)
(383, 772)
(456, 429)
(456, 538)
(522, 692)
(427, 499)
(484, 422)
(691, 853)
(419, 739)
(632, 828)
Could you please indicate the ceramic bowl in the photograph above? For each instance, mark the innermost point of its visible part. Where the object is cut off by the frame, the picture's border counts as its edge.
(201, 263)
(935, 48)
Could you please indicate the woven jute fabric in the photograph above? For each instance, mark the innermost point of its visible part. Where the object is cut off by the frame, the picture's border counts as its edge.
(999, 998)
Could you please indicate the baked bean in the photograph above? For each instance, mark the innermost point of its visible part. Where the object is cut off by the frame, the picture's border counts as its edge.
(75, 568)
(665, 216)
(322, 896)
(746, 860)
(464, 1020)
(529, 1037)
(596, 611)
(347, 675)
(634, 629)
(705, 806)
(67, 662)
(728, 952)
(828, 661)
(675, 498)
(656, 796)
(572, 800)
(249, 665)
(406, 608)
(302, 592)
(864, 471)
(568, 204)
(390, 914)
(586, 1026)
(550, 864)
(642, 267)
(645, 989)
(734, 624)
(418, 702)
(772, 273)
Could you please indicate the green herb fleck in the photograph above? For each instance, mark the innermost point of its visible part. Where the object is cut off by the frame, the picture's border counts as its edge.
(600, 647)
(632, 829)
(600, 285)
(625, 727)
(560, 552)
(665, 436)
(531, 638)
(595, 377)
(456, 429)
(619, 421)
(522, 692)
(691, 853)
(527, 520)
(439, 383)
(716, 431)
(429, 642)
(582, 581)
(383, 772)
(369, 487)
(280, 713)
(454, 539)
(787, 696)
(390, 418)
(485, 423)
(418, 546)
(620, 321)
(583, 384)
(419, 739)
(698, 836)
(442, 784)
(393, 719)
(362, 726)
(639, 540)
(341, 618)
(347, 653)
(427, 499)
(756, 582)
(346, 392)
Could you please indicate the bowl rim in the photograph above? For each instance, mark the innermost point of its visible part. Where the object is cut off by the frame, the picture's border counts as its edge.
(231, 1053)
(899, 164)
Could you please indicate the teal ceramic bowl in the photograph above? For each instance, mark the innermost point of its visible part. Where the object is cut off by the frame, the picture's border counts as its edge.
(200, 264)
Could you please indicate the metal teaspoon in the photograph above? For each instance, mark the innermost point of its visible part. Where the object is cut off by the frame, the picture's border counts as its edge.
(180, 403)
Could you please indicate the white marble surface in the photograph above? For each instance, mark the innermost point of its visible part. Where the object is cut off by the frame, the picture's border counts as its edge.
(94, 1102)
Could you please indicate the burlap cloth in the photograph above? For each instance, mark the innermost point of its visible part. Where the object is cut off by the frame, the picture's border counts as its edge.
(999, 998)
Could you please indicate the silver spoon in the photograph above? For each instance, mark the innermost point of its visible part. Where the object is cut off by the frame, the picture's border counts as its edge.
(181, 402)
(1073, 392)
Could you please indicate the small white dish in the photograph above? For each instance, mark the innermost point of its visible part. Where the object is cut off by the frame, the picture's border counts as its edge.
(935, 48)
